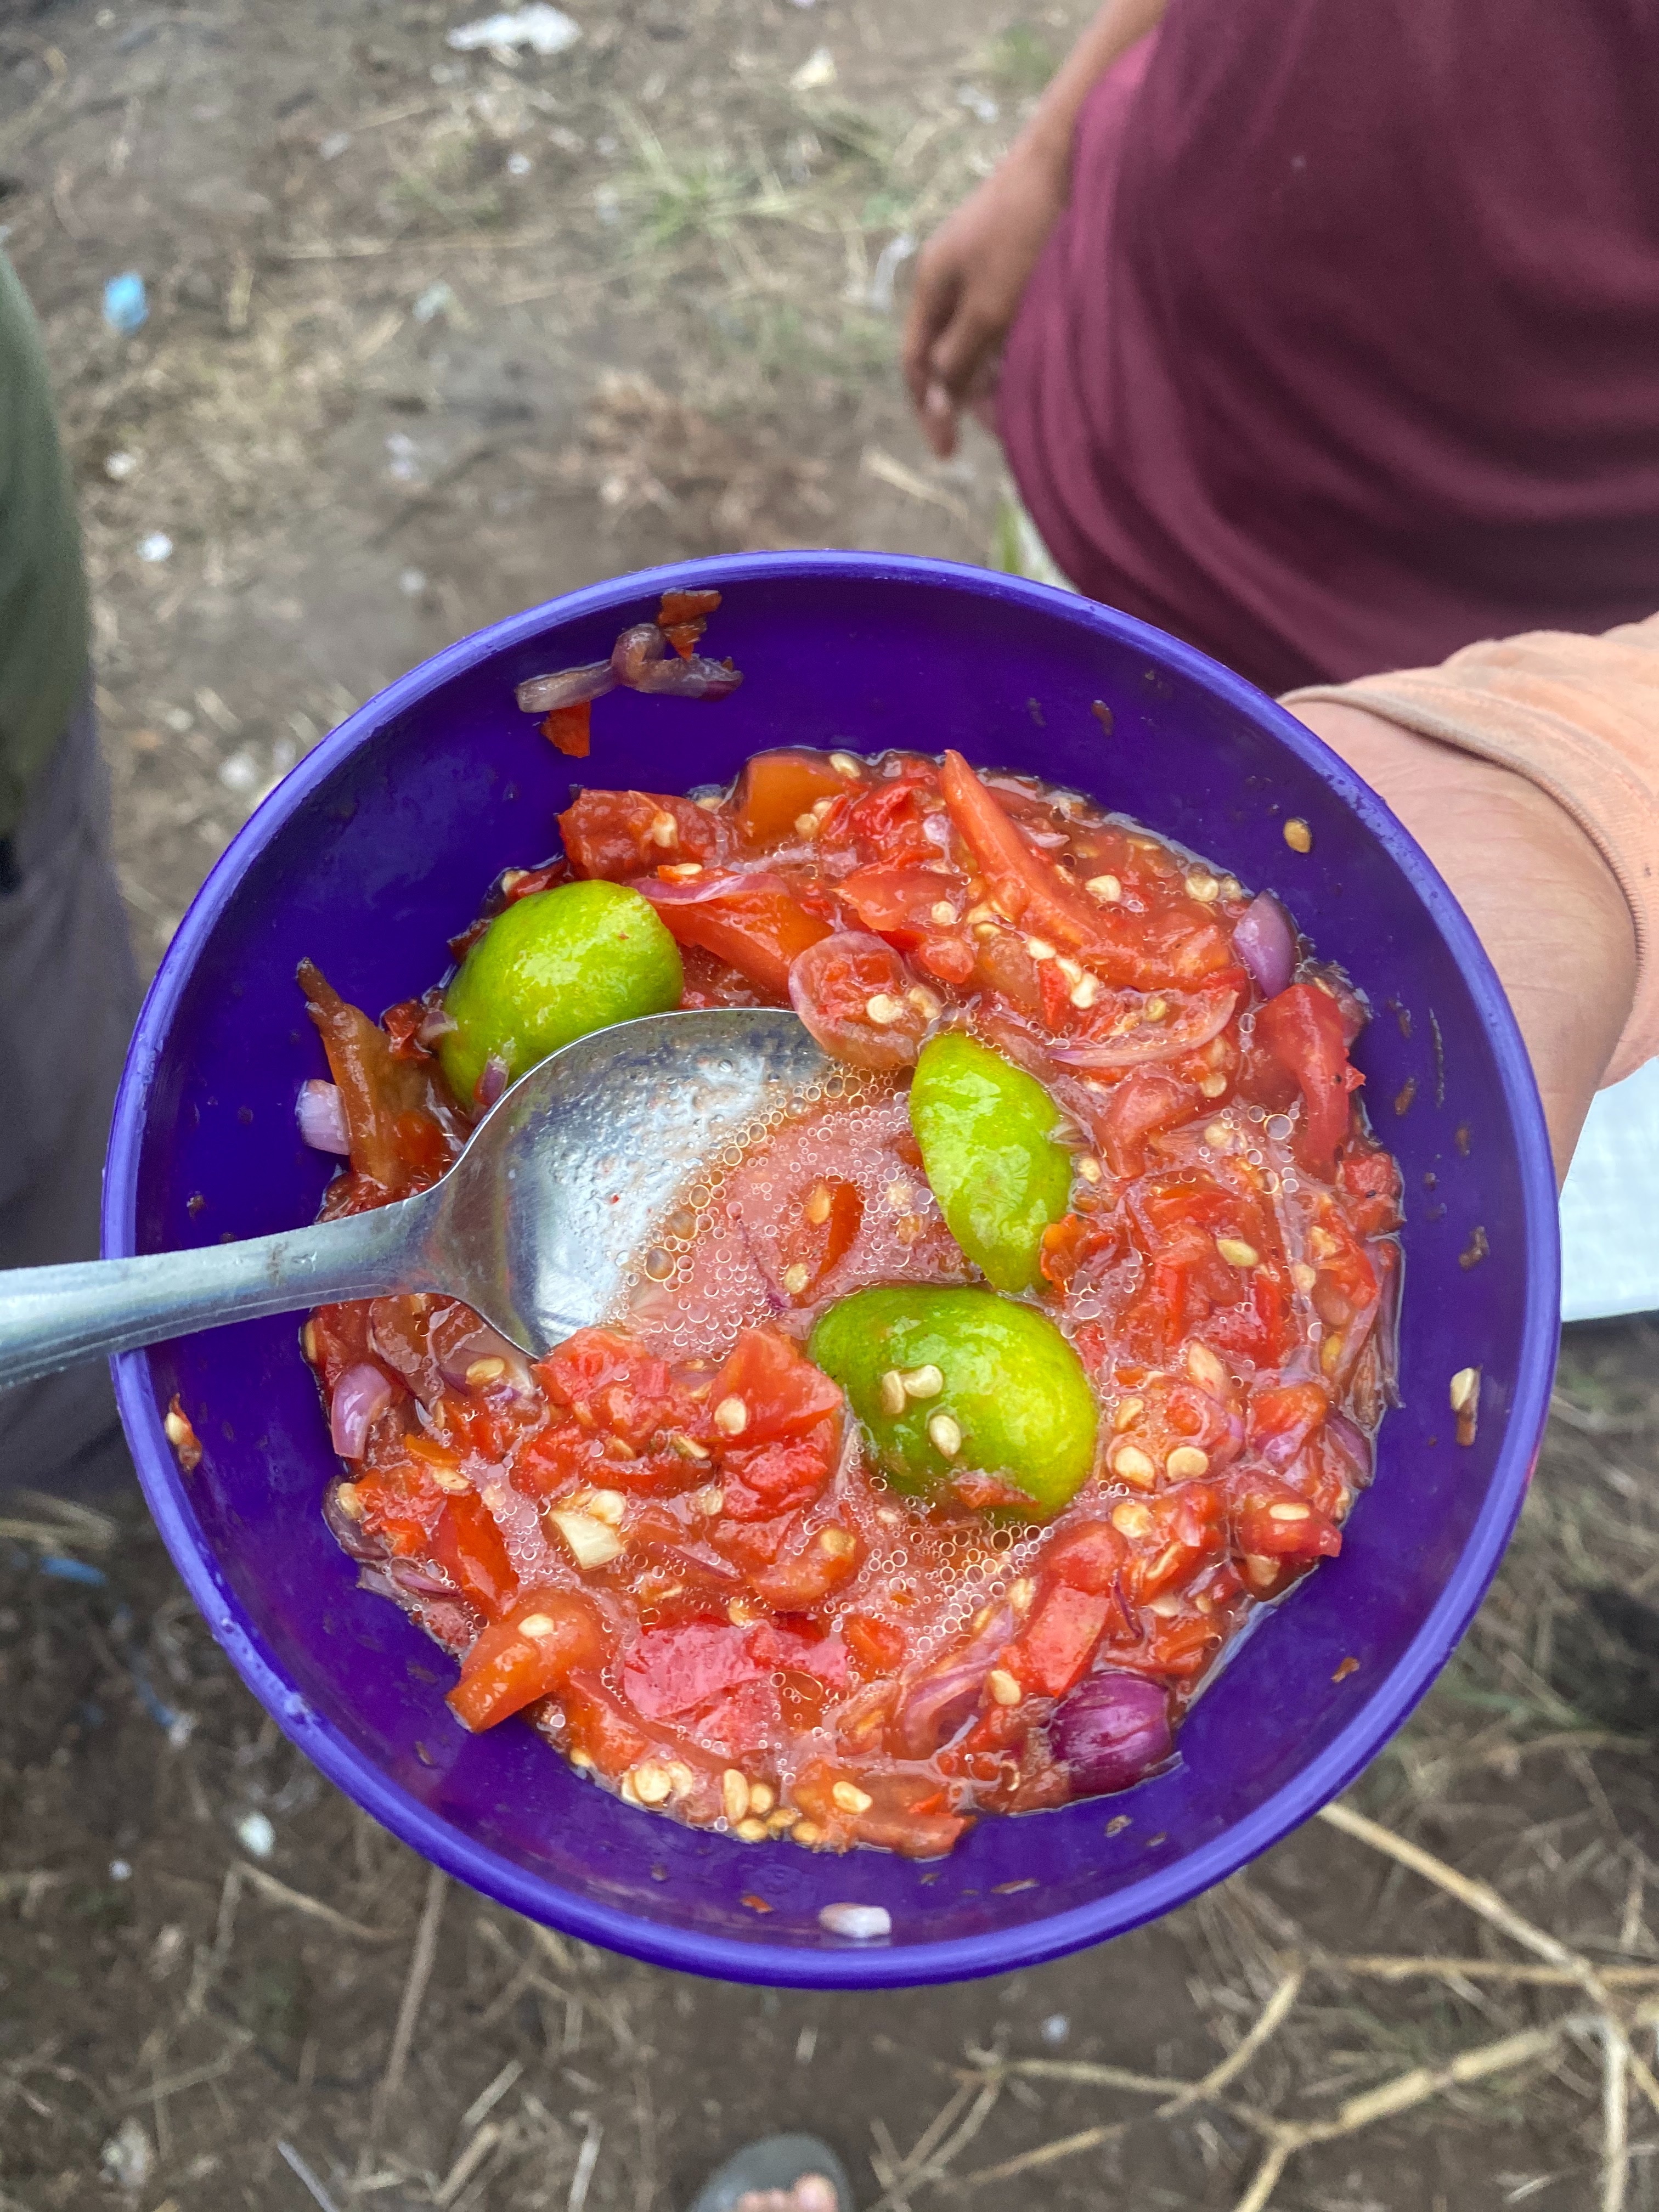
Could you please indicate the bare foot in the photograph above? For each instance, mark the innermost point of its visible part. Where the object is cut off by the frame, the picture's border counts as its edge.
(811, 2193)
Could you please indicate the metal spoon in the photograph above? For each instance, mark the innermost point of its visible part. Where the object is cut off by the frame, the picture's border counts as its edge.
(534, 1226)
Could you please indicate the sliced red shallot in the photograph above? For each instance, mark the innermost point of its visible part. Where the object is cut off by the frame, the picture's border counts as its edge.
(1187, 1020)
(491, 1084)
(1111, 1731)
(567, 687)
(362, 1393)
(643, 659)
(320, 1112)
(1265, 941)
(435, 1023)
(937, 1704)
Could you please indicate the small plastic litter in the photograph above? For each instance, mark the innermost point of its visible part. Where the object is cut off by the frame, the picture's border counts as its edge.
(239, 773)
(817, 73)
(255, 1834)
(127, 303)
(61, 1569)
(412, 583)
(519, 165)
(156, 546)
(860, 1924)
(120, 1870)
(978, 103)
(1055, 2029)
(129, 2156)
(545, 30)
(331, 148)
(118, 467)
(891, 259)
(437, 299)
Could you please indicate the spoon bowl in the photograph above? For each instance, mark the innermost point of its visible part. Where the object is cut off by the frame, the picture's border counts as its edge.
(534, 1226)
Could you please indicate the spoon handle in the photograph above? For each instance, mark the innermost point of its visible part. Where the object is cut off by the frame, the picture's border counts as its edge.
(51, 1316)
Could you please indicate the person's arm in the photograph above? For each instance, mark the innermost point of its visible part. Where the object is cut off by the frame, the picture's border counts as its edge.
(1544, 903)
(973, 270)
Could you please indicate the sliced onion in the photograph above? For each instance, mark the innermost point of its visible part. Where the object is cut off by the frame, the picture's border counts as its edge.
(568, 687)
(320, 1112)
(361, 1392)
(1193, 1020)
(1111, 1731)
(936, 1706)
(435, 1023)
(1351, 1441)
(1265, 941)
(491, 1084)
(642, 659)
(457, 1338)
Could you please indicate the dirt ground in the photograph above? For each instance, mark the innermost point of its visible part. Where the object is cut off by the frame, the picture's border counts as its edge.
(433, 336)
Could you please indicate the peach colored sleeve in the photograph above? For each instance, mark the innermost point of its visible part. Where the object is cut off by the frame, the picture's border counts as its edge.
(1579, 717)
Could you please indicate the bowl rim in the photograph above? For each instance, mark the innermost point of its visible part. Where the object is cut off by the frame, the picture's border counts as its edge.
(868, 1965)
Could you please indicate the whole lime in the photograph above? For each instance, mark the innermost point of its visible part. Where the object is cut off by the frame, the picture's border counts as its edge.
(551, 969)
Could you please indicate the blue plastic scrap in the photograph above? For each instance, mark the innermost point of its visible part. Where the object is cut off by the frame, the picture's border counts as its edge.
(127, 303)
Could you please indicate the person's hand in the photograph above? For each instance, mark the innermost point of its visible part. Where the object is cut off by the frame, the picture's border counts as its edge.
(1543, 901)
(970, 279)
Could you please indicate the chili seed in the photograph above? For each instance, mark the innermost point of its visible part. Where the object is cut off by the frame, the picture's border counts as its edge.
(1330, 1352)
(761, 1797)
(796, 1278)
(350, 1499)
(1084, 992)
(820, 808)
(1088, 1167)
(1297, 835)
(1003, 1687)
(1132, 1519)
(742, 1615)
(1211, 1086)
(1286, 1508)
(806, 826)
(731, 1417)
(734, 1794)
(1186, 1463)
(687, 1447)
(846, 764)
(1237, 1253)
(929, 1006)
(1107, 889)
(942, 914)
(1155, 1009)
(538, 1625)
(837, 1543)
(1021, 1595)
(944, 1435)
(892, 1393)
(752, 1831)
(816, 1208)
(1260, 1573)
(710, 1499)
(808, 1833)
(652, 1783)
(664, 830)
(608, 1505)
(882, 1010)
(1132, 1465)
(1465, 1389)
(1303, 1275)
(680, 1777)
(682, 871)
(922, 1382)
(850, 1798)
(449, 1479)
(1204, 888)
(178, 1431)
(1166, 1606)
(1039, 948)
(1129, 1413)
(784, 1818)
(308, 1343)
(1205, 1367)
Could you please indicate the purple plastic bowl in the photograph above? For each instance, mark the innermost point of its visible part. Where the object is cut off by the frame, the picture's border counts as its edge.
(379, 847)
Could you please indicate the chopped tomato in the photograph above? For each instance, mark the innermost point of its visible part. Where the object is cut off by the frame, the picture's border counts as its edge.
(1059, 1640)
(569, 730)
(877, 1645)
(1303, 1028)
(693, 606)
(764, 1478)
(904, 905)
(621, 834)
(1145, 1101)
(860, 1002)
(528, 1654)
(1088, 1557)
(776, 790)
(1272, 1521)
(469, 1546)
(774, 1387)
(752, 921)
(820, 1227)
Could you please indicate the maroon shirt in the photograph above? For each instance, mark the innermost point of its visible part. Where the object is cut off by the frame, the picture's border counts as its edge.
(1345, 352)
